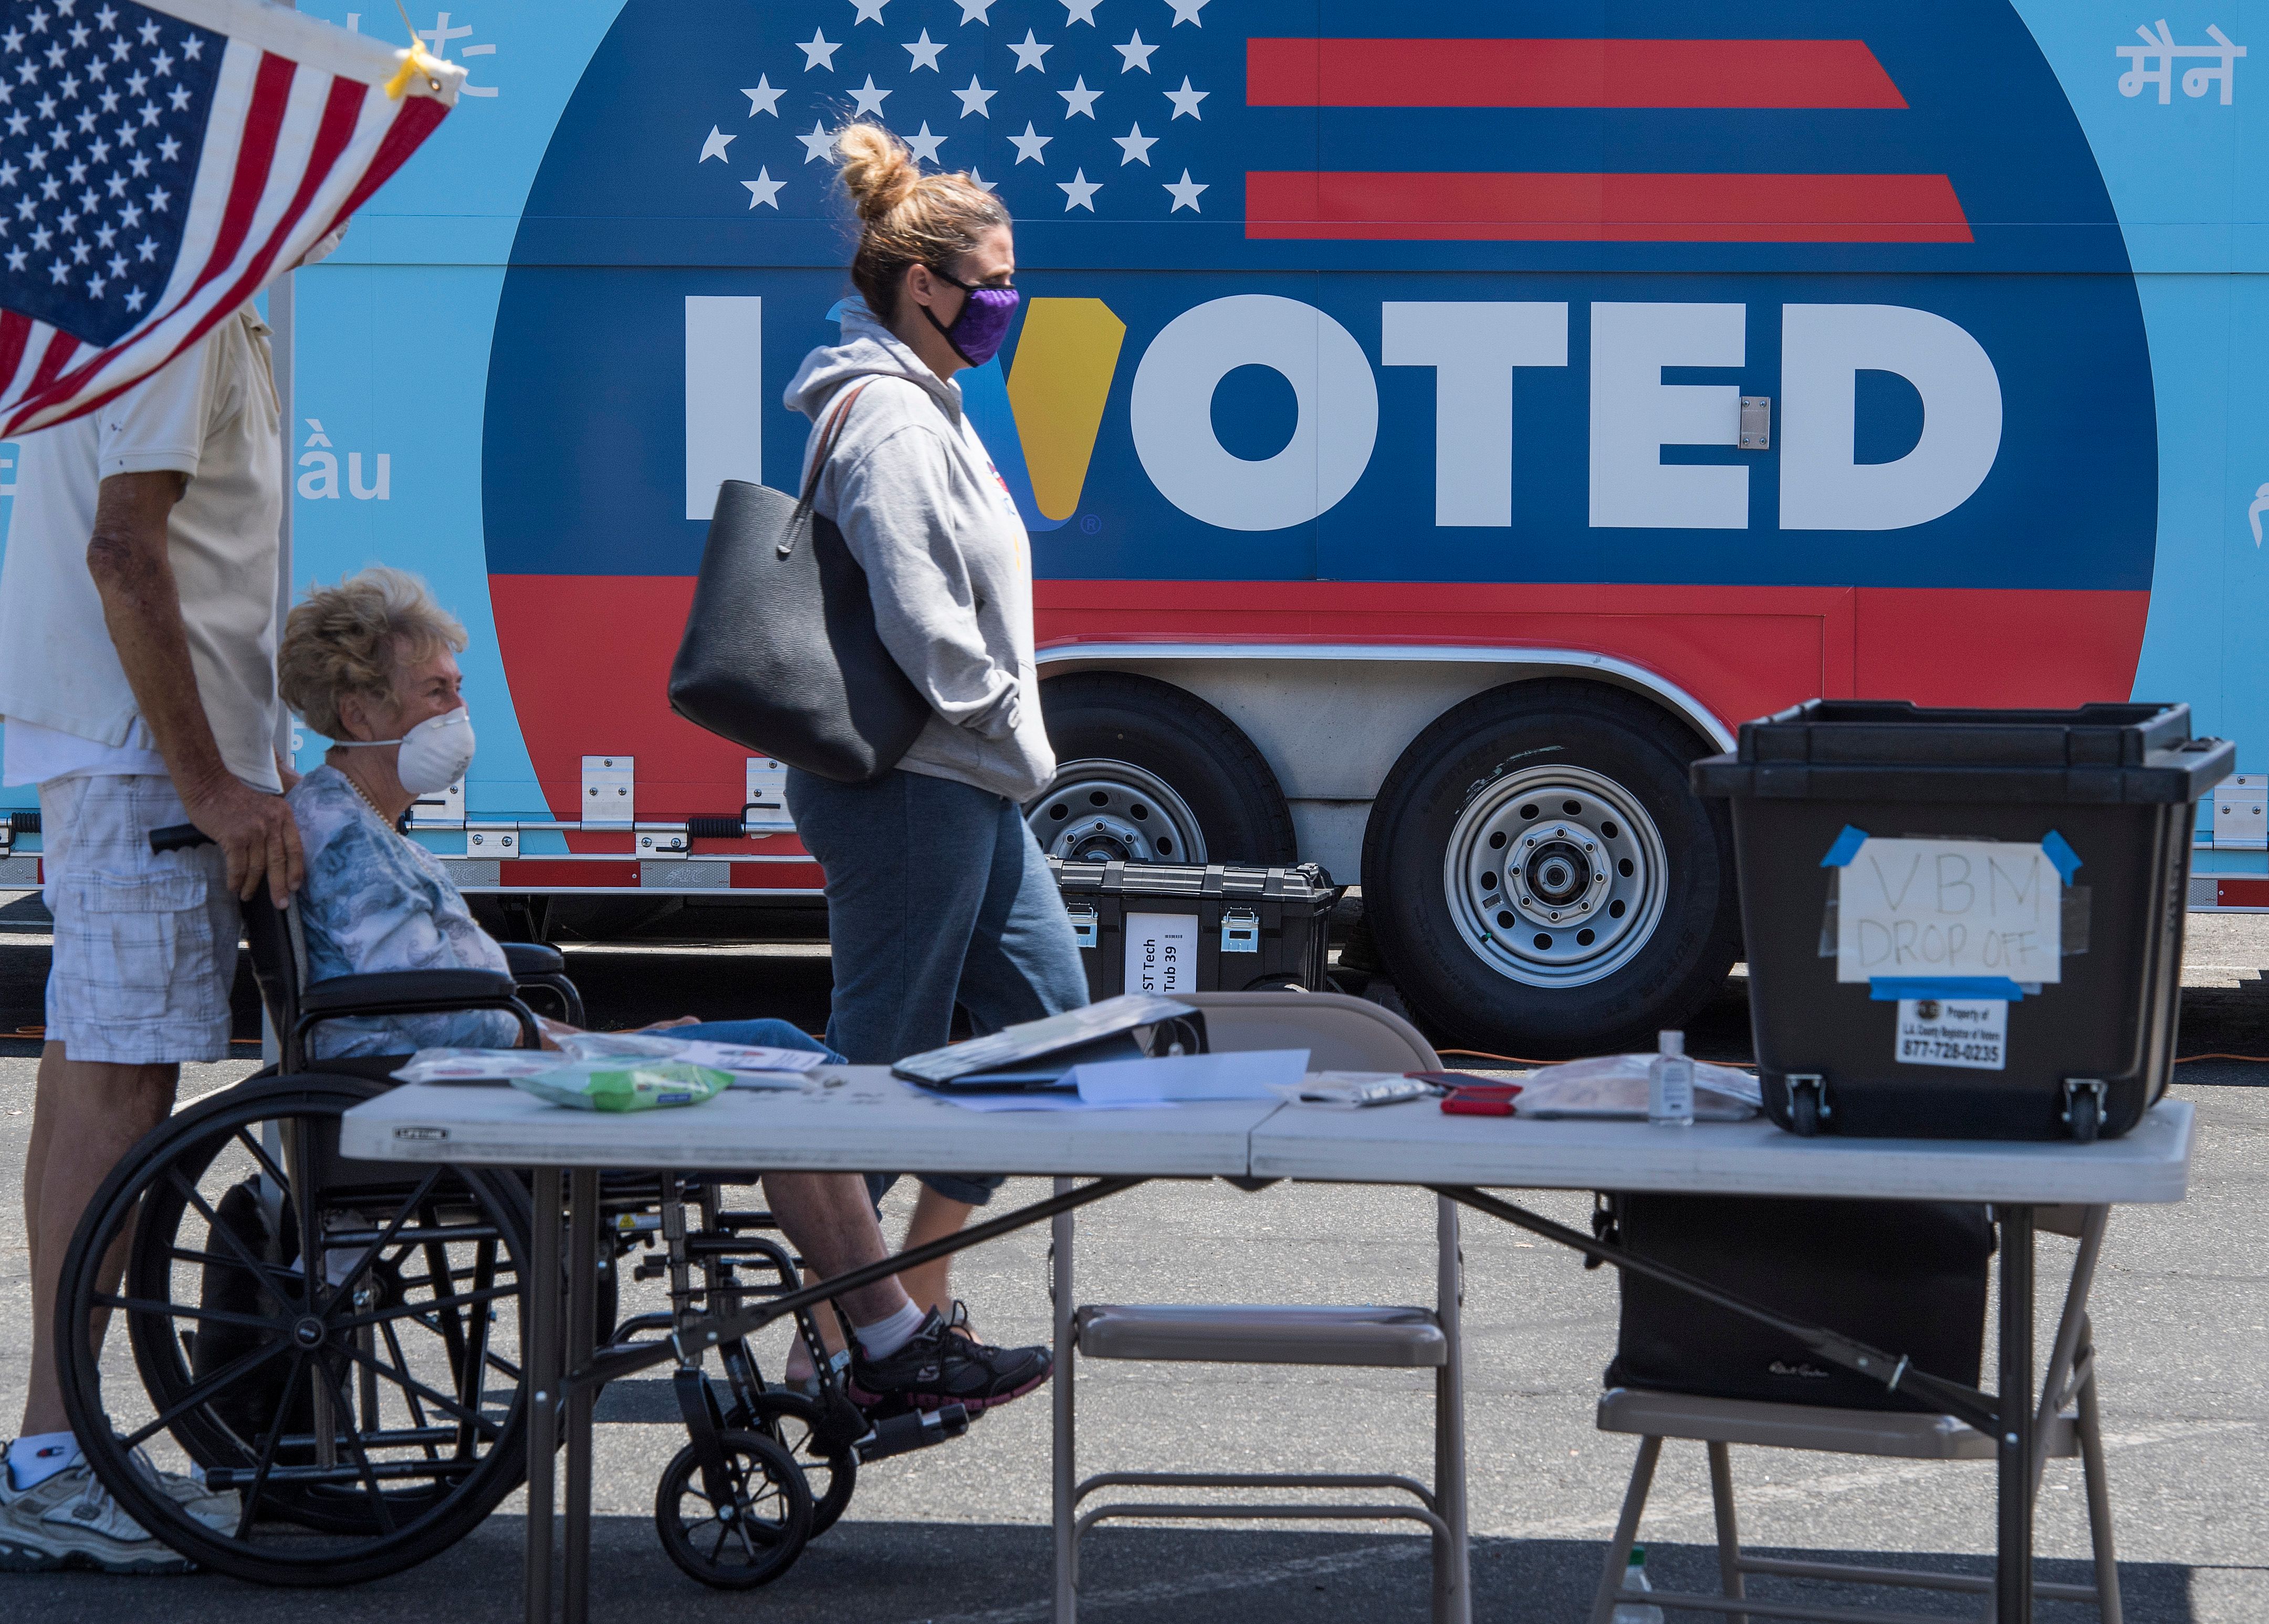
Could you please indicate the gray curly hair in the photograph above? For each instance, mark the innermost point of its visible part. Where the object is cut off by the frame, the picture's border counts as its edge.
(345, 639)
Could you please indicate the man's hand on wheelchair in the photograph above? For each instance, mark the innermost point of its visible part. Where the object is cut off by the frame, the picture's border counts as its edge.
(256, 833)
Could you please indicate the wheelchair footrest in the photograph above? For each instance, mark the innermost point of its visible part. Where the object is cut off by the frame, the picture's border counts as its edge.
(915, 1430)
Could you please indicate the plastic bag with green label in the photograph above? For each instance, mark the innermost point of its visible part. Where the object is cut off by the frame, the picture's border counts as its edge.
(625, 1084)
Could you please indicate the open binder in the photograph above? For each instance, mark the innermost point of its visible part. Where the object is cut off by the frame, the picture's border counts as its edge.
(1037, 1054)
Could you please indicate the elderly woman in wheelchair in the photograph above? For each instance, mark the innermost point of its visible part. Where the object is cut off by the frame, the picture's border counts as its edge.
(365, 1412)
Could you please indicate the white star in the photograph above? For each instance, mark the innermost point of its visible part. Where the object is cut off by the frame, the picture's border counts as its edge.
(764, 189)
(869, 10)
(1028, 145)
(764, 98)
(194, 48)
(973, 11)
(924, 52)
(715, 147)
(18, 259)
(148, 30)
(818, 145)
(1079, 191)
(108, 17)
(1080, 11)
(1137, 145)
(1079, 101)
(96, 283)
(1137, 53)
(1186, 12)
(1028, 53)
(1185, 193)
(868, 98)
(1185, 100)
(818, 53)
(147, 249)
(924, 146)
(980, 180)
(973, 99)
(134, 299)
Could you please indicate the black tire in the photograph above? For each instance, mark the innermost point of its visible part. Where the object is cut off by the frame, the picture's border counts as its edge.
(769, 1521)
(392, 1315)
(1644, 918)
(1230, 809)
(831, 1468)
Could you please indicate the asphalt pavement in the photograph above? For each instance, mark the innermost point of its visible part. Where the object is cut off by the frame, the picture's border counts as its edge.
(959, 1533)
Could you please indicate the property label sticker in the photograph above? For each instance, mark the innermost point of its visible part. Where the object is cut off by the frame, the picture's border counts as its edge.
(1950, 908)
(1162, 952)
(1946, 1031)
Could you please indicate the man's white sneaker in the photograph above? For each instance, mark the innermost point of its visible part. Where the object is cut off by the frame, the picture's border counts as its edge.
(70, 1521)
(216, 1508)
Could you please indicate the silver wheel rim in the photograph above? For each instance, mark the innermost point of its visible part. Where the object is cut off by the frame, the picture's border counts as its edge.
(1099, 810)
(1555, 875)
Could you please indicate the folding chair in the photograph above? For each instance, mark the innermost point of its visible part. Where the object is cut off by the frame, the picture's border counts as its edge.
(1341, 1034)
(2068, 1424)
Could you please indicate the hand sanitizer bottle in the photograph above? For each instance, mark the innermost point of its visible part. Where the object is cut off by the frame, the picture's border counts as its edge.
(1634, 1579)
(1670, 1082)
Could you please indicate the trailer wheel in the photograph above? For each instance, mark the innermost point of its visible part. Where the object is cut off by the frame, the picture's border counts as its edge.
(1539, 880)
(1149, 773)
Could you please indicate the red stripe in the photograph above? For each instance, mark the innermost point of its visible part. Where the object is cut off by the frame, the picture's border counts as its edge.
(15, 332)
(61, 347)
(255, 154)
(1565, 73)
(1605, 208)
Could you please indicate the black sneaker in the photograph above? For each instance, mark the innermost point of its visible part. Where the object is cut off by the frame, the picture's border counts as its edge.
(943, 1364)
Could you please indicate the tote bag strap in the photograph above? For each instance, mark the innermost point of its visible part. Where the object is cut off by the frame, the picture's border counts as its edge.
(828, 436)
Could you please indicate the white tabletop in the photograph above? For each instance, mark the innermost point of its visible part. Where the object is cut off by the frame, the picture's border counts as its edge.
(870, 1120)
(867, 1120)
(1417, 1144)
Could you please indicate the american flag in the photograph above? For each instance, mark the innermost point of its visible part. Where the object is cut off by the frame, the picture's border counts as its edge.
(159, 164)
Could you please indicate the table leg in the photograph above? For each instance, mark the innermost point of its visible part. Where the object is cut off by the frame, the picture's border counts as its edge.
(2014, 1551)
(539, 1364)
(582, 1340)
(1065, 1462)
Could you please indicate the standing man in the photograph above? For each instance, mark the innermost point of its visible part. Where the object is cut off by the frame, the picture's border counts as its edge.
(137, 677)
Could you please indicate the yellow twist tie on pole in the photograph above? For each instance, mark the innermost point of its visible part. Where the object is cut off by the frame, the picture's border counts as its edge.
(416, 61)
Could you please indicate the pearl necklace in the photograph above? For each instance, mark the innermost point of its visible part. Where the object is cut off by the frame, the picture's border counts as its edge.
(374, 806)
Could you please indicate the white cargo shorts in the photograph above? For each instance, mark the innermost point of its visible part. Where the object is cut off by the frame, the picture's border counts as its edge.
(145, 944)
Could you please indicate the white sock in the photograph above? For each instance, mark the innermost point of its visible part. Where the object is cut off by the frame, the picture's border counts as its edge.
(38, 1455)
(885, 1337)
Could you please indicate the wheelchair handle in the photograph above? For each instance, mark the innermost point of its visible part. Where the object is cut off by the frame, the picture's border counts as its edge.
(178, 837)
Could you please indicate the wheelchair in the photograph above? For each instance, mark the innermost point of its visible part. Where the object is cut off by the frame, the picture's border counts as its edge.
(339, 1343)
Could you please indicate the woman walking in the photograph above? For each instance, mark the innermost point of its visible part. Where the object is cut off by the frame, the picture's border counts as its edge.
(936, 892)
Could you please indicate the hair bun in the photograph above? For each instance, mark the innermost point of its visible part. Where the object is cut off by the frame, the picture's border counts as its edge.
(878, 169)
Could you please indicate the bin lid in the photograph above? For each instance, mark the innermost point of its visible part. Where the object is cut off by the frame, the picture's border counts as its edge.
(1300, 883)
(1893, 749)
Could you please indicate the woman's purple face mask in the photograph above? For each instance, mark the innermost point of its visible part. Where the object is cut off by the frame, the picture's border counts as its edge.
(978, 333)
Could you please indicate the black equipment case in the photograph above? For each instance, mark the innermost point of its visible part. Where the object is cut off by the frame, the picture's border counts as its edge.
(2082, 1055)
(1215, 928)
(1908, 1277)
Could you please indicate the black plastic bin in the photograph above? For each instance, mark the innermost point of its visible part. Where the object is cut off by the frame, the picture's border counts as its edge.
(2104, 792)
(1210, 928)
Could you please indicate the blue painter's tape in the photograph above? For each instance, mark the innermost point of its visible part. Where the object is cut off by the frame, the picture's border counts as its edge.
(1891, 989)
(2059, 851)
(1846, 848)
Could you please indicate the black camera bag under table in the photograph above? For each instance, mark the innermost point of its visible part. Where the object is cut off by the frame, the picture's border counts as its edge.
(1908, 1277)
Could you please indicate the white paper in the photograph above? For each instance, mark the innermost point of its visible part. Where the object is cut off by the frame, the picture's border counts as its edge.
(1969, 1032)
(1162, 952)
(1949, 908)
(748, 1057)
(1253, 1075)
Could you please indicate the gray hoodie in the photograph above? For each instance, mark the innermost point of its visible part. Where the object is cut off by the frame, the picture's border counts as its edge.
(929, 519)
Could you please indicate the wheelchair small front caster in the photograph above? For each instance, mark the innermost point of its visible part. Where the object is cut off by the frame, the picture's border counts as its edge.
(745, 1531)
(829, 1460)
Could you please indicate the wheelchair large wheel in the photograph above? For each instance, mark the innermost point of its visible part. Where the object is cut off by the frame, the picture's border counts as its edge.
(365, 1412)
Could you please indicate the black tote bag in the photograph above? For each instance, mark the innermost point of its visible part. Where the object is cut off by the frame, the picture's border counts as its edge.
(781, 654)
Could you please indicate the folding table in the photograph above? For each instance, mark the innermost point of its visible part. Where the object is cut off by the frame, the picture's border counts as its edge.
(864, 1118)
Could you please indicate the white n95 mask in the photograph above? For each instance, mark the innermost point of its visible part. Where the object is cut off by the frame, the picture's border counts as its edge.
(434, 754)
